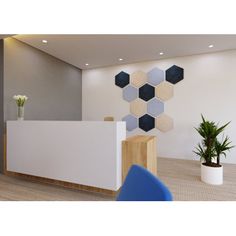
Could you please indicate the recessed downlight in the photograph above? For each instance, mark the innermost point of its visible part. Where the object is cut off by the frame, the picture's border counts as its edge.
(44, 41)
(211, 46)
(161, 53)
(87, 64)
(120, 59)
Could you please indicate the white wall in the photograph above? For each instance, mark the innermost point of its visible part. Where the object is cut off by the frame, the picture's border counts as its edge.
(209, 87)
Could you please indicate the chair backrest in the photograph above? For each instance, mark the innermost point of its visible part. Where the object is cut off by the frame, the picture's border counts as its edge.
(141, 185)
(109, 118)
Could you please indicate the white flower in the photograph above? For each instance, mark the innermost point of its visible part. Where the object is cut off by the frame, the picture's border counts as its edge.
(20, 99)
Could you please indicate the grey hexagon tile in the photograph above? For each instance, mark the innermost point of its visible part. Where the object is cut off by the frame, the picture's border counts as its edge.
(130, 93)
(131, 122)
(155, 107)
(156, 76)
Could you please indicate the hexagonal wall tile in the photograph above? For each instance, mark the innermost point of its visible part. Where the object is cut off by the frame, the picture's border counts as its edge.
(138, 78)
(155, 76)
(122, 79)
(164, 123)
(138, 107)
(155, 107)
(146, 92)
(131, 122)
(146, 122)
(164, 91)
(174, 74)
(130, 93)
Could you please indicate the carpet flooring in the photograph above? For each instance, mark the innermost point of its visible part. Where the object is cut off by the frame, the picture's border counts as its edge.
(181, 176)
(183, 179)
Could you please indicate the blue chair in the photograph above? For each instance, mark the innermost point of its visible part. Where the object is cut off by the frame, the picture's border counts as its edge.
(141, 185)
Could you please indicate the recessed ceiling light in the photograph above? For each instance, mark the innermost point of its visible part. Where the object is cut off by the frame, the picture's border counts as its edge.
(161, 53)
(87, 64)
(44, 41)
(211, 46)
(120, 59)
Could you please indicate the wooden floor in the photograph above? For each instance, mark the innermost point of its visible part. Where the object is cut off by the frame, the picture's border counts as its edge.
(181, 176)
(17, 189)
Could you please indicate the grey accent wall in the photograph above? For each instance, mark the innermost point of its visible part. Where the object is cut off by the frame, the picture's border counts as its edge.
(54, 87)
(1, 106)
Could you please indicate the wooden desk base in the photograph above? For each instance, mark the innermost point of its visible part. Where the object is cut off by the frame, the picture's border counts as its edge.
(61, 183)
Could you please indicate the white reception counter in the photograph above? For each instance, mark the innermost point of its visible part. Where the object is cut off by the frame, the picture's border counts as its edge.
(81, 152)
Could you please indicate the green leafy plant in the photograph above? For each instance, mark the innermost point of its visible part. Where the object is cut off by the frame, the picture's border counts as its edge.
(210, 148)
(222, 147)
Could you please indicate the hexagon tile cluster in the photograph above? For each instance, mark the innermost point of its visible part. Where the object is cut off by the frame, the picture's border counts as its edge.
(146, 93)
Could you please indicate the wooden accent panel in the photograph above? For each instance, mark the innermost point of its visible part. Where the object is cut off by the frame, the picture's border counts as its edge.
(1, 105)
(61, 183)
(53, 181)
(109, 118)
(141, 150)
(4, 154)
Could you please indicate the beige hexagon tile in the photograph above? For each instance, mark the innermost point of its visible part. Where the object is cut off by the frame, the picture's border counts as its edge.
(138, 107)
(164, 123)
(138, 78)
(164, 91)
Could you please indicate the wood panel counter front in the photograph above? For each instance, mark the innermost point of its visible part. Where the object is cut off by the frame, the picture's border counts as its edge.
(140, 150)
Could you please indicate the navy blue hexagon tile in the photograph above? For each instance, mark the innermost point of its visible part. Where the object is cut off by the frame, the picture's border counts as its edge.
(146, 92)
(122, 79)
(174, 74)
(146, 122)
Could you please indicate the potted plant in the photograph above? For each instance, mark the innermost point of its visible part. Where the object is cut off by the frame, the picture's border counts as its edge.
(210, 150)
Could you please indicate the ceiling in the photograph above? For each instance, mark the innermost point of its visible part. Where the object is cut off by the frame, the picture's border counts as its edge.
(2, 36)
(105, 50)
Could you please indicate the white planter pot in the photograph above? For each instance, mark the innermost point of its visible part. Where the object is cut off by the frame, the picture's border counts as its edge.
(212, 175)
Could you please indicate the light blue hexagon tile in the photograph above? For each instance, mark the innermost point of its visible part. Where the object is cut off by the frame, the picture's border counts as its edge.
(155, 76)
(130, 93)
(131, 122)
(155, 107)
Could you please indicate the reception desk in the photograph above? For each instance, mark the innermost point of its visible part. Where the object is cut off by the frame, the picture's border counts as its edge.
(86, 153)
